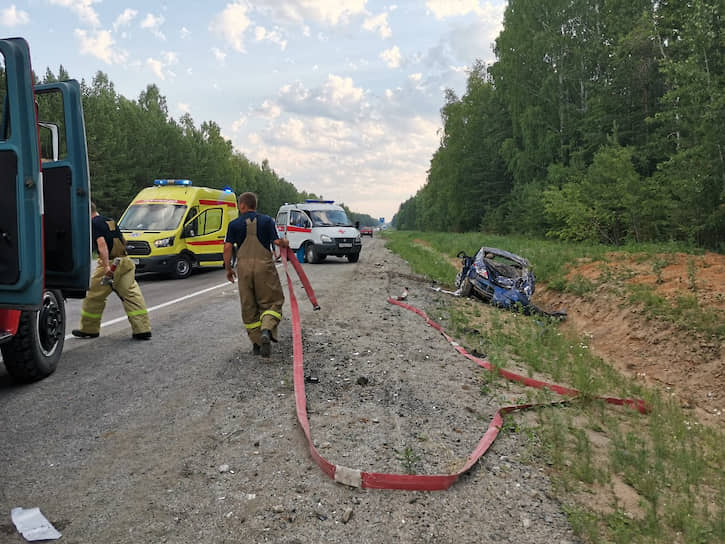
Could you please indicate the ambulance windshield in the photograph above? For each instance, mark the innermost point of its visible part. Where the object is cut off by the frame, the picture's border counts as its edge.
(158, 216)
(329, 218)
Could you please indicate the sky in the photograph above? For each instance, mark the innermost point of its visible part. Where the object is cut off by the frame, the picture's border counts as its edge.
(342, 97)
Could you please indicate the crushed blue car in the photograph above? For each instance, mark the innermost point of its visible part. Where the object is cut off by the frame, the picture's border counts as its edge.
(501, 278)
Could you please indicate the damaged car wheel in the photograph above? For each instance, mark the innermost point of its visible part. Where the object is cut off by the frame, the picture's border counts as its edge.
(466, 287)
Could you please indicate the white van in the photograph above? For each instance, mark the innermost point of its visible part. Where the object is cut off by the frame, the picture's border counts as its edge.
(320, 227)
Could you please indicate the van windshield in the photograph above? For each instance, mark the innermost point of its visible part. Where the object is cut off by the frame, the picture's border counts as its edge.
(329, 218)
(162, 216)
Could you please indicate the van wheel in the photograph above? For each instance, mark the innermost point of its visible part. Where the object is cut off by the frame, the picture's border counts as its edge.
(182, 268)
(35, 350)
(311, 254)
(353, 257)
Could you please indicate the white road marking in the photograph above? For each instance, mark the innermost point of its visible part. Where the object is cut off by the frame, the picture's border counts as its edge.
(159, 306)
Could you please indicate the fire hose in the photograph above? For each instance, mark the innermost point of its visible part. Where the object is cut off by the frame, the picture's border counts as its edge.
(416, 482)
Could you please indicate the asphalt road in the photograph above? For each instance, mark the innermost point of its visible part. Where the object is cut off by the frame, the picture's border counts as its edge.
(159, 293)
(189, 438)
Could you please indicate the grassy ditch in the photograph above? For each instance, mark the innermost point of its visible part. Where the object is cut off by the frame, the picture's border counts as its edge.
(622, 476)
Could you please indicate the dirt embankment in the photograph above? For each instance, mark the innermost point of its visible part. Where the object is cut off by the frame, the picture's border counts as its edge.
(690, 364)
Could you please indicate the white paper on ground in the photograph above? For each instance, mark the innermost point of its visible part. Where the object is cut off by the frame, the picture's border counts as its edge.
(32, 524)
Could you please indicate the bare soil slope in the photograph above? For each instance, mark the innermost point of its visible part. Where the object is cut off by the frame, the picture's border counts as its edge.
(690, 364)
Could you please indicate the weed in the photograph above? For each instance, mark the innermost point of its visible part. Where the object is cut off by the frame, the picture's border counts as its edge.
(580, 286)
(657, 266)
(408, 459)
(692, 274)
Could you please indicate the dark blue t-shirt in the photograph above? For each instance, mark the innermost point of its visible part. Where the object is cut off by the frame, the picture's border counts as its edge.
(266, 229)
(99, 228)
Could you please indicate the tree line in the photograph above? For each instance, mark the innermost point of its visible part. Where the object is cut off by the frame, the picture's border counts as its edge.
(597, 121)
(133, 142)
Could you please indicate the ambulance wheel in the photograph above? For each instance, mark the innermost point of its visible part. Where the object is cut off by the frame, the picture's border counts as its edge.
(311, 254)
(182, 268)
(34, 351)
(353, 257)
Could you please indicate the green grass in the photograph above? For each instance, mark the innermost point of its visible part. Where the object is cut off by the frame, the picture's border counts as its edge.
(672, 465)
(552, 261)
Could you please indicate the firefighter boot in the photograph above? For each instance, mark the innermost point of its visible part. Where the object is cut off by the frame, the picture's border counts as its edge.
(265, 349)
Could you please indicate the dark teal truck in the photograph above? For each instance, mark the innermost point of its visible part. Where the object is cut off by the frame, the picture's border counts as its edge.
(45, 241)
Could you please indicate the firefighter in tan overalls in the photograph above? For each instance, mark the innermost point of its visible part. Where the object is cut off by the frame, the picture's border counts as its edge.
(260, 291)
(110, 245)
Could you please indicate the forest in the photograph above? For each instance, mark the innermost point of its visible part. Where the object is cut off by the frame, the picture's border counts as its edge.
(598, 120)
(132, 142)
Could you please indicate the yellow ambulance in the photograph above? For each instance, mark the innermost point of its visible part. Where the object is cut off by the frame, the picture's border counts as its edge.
(174, 226)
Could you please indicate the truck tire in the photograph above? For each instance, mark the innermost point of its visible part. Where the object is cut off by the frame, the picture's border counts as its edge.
(311, 254)
(35, 350)
(182, 267)
(353, 257)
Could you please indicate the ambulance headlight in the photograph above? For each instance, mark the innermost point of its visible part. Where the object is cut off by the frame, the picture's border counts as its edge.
(164, 242)
(325, 239)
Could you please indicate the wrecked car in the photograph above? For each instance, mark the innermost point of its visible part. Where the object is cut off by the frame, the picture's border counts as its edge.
(500, 278)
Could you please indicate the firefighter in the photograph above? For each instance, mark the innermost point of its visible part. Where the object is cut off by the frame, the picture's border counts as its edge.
(260, 291)
(110, 245)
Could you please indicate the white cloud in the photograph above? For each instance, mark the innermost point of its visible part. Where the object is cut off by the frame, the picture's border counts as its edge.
(371, 159)
(100, 44)
(231, 23)
(452, 8)
(125, 18)
(82, 8)
(392, 57)
(12, 16)
(239, 123)
(336, 98)
(341, 91)
(379, 24)
(156, 67)
(182, 106)
(185, 32)
(274, 36)
(329, 12)
(153, 23)
(219, 55)
(162, 67)
(415, 77)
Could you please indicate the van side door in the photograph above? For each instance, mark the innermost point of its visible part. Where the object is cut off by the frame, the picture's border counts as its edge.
(204, 236)
(299, 228)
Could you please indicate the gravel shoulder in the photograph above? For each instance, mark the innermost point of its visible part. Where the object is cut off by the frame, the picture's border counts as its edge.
(192, 439)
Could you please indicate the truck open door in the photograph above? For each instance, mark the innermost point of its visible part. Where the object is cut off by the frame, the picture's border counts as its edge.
(67, 240)
(44, 213)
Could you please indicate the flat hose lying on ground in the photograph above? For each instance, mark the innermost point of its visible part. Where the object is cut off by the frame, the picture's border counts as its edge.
(417, 482)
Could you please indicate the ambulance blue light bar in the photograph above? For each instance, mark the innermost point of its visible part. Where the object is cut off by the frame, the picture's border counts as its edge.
(315, 201)
(228, 189)
(172, 182)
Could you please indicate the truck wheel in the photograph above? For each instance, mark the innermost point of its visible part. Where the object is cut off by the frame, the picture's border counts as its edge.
(35, 350)
(311, 253)
(353, 257)
(182, 268)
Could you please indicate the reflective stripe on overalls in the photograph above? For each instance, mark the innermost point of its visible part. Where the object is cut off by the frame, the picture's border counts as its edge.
(260, 291)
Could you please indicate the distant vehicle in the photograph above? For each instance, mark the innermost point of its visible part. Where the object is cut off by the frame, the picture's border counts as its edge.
(174, 226)
(321, 227)
(45, 227)
(366, 231)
